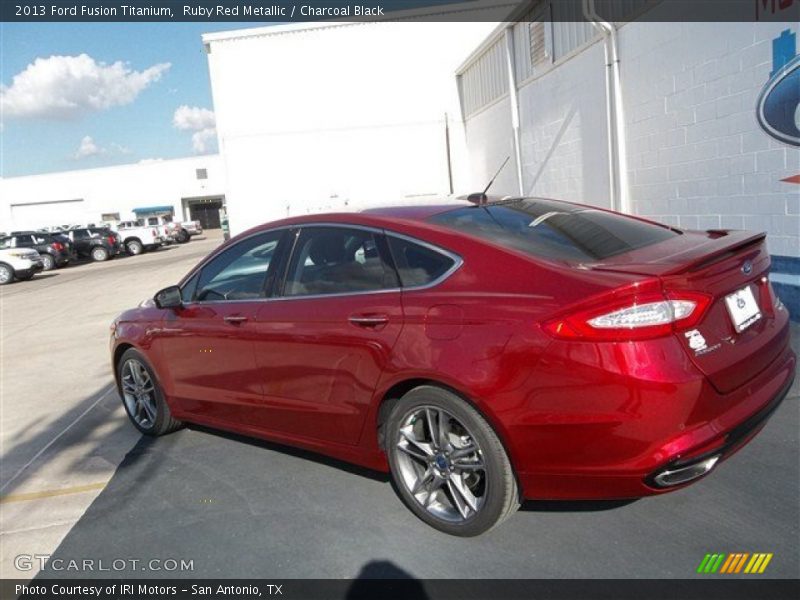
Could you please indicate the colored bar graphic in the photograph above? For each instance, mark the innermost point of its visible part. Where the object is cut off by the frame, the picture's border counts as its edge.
(735, 562)
(717, 563)
(728, 564)
(703, 563)
(765, 563)
(741, 562)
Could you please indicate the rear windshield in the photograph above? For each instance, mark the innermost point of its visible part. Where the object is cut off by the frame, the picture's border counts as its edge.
(554, 230)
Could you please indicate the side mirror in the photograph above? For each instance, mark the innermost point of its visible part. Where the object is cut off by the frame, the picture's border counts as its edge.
(169, 297)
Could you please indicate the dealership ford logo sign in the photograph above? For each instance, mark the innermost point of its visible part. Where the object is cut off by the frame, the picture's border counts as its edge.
(778, 107)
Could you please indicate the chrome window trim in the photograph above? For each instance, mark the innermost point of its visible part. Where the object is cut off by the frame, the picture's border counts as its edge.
(457, 263)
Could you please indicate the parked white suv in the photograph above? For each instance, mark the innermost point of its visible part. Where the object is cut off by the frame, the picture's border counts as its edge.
(136, 238)
(19, 263)
(179, 231)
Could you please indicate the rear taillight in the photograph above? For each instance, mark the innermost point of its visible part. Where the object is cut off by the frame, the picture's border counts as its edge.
(112, 240)
(631, 316)
(58, 247)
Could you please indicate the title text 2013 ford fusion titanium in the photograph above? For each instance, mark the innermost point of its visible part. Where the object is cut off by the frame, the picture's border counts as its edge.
(483, 354)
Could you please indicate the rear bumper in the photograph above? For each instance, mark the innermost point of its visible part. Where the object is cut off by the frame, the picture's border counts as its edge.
(735, 439)
(649, 431)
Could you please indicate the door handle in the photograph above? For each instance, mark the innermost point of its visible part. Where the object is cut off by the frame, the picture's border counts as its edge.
(369, 320)
(235, 319)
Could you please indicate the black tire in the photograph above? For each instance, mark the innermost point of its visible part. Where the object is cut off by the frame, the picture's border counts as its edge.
(499, 493)
(6, 274)
(183, 236)
(134, 247)
(48, 262)
(99, 254)
(164, 421)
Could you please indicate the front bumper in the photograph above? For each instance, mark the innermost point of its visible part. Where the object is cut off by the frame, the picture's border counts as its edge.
(35, 267)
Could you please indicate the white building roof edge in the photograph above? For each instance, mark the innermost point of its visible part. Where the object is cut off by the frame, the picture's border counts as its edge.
(146, 162)
(411, 14)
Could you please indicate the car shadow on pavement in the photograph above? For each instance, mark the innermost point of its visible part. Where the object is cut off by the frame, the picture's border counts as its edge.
(574, 505)
(296, 452)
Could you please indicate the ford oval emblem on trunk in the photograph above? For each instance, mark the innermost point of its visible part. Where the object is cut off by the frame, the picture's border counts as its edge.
(778, 107)
(747, 267)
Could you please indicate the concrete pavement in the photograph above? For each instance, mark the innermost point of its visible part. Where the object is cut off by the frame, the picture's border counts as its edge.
(62, 429)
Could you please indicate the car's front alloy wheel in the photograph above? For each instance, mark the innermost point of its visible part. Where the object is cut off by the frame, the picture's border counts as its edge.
(142, 396)
(449, 466)
(6, 274)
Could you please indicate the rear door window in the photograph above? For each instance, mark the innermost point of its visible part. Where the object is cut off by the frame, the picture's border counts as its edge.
(555, 230)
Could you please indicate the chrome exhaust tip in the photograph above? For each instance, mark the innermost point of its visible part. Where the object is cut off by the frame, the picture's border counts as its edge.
(678, 475)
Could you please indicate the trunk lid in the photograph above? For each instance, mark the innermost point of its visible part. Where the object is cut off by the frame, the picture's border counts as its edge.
(717, 263)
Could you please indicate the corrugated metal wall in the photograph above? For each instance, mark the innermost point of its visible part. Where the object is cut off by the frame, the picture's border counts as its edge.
(548, 32)
(484, 80)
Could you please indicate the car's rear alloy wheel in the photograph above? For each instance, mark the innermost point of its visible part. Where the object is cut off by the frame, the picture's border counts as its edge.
(142, 396)
(99, 254)
(448, 464)
(48, 262)
(183, 236)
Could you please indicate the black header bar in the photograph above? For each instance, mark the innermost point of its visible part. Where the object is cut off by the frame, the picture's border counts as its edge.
(283, 11)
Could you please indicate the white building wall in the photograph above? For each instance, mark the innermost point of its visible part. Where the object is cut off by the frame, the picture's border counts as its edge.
(696, 156)
(564, 132)
(333, 117)
(117, 189)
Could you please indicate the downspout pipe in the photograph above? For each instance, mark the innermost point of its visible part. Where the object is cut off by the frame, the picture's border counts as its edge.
(619, 200)
(512, 94)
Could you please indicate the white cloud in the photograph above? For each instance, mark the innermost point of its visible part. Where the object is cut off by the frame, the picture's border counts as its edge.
(193, 118)
(200, 120)
(204, 140)
(63, 87)
(88, 148)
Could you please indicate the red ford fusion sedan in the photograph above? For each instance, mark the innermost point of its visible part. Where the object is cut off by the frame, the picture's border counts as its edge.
(482, 354)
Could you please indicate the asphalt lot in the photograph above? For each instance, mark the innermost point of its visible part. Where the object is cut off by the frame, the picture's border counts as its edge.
(242, 508)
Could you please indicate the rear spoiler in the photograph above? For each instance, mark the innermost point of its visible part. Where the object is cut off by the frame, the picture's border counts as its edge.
(721, 244)
(726, 243)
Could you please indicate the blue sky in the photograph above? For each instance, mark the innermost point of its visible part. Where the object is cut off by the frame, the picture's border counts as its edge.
(133, 131)
(111, 116)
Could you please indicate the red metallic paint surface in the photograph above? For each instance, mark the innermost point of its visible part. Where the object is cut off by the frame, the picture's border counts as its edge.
(579, 419)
